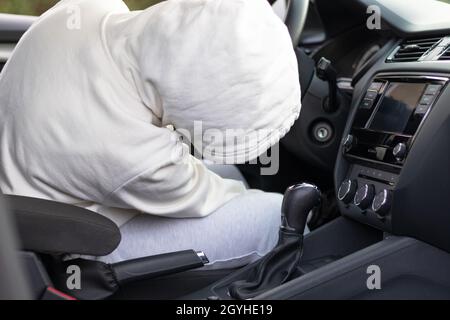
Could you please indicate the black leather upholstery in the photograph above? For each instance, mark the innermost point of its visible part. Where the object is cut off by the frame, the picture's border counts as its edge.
(51, 227)
(153, 267)
(274, 269)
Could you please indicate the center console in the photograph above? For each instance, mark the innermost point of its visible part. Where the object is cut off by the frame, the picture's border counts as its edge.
(392, 178)
(383, 131)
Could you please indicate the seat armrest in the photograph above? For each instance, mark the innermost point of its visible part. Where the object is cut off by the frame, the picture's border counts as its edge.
(51, 227)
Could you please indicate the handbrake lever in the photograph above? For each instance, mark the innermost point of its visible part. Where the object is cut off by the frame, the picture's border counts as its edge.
(159, 265)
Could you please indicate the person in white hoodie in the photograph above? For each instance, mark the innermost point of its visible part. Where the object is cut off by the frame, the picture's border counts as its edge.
(98, 103)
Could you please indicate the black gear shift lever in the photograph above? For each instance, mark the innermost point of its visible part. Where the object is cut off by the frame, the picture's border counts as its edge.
(279, 265)
(298, 201)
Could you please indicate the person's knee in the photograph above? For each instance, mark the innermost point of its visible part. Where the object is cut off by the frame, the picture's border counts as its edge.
(269, 214)
(263, 211)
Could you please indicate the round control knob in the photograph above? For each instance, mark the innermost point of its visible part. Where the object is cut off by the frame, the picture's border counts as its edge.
(399, 151)
(347, 191)
(382, 203)
(349, 141)
(364, 196)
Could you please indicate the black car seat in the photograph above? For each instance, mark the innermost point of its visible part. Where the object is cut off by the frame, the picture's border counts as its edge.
(13, 284)
(49, 232)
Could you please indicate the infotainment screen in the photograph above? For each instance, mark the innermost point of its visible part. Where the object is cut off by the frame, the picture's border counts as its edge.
(397, 106)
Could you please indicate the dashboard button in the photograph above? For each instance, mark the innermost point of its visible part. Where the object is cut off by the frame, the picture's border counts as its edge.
(421, 109)
(349, 142)
(371, 95)
(376, 86)
(427, 99)
(382, 202)
(399, 151)
(347, 191)
(364, 196)
(367, 103)
(433, 89)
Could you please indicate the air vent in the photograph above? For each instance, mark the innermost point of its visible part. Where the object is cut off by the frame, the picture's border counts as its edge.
(445, 56)
(413, 50)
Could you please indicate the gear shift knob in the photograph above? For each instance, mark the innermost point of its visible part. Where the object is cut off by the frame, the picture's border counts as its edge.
(298, 201)
(281, 264)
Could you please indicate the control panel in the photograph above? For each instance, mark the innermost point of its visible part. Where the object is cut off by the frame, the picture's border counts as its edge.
(388, 118)
(366, 194)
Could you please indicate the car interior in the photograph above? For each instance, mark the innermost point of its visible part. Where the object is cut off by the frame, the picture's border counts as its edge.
(373, 136)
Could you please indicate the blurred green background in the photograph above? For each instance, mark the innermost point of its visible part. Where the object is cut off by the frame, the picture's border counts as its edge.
(36, 7)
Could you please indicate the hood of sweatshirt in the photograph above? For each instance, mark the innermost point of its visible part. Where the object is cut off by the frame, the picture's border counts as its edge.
(223, 73)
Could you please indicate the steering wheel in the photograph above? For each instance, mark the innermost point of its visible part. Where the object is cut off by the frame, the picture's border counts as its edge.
(297, 10)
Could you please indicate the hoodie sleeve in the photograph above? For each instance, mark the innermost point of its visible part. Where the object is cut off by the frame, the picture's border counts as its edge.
(184, 189)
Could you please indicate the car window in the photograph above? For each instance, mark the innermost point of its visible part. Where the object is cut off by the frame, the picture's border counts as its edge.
(37, 7)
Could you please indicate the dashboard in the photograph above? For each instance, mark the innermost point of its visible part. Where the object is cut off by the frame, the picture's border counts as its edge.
(393, 167)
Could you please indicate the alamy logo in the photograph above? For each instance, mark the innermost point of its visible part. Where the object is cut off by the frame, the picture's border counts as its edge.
(74, 279)
(374, 280)
(374, 20)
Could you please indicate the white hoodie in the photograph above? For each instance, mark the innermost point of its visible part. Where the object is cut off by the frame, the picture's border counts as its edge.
(91, 90)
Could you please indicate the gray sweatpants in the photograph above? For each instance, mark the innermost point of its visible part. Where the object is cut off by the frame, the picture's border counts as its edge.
(240, 232)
